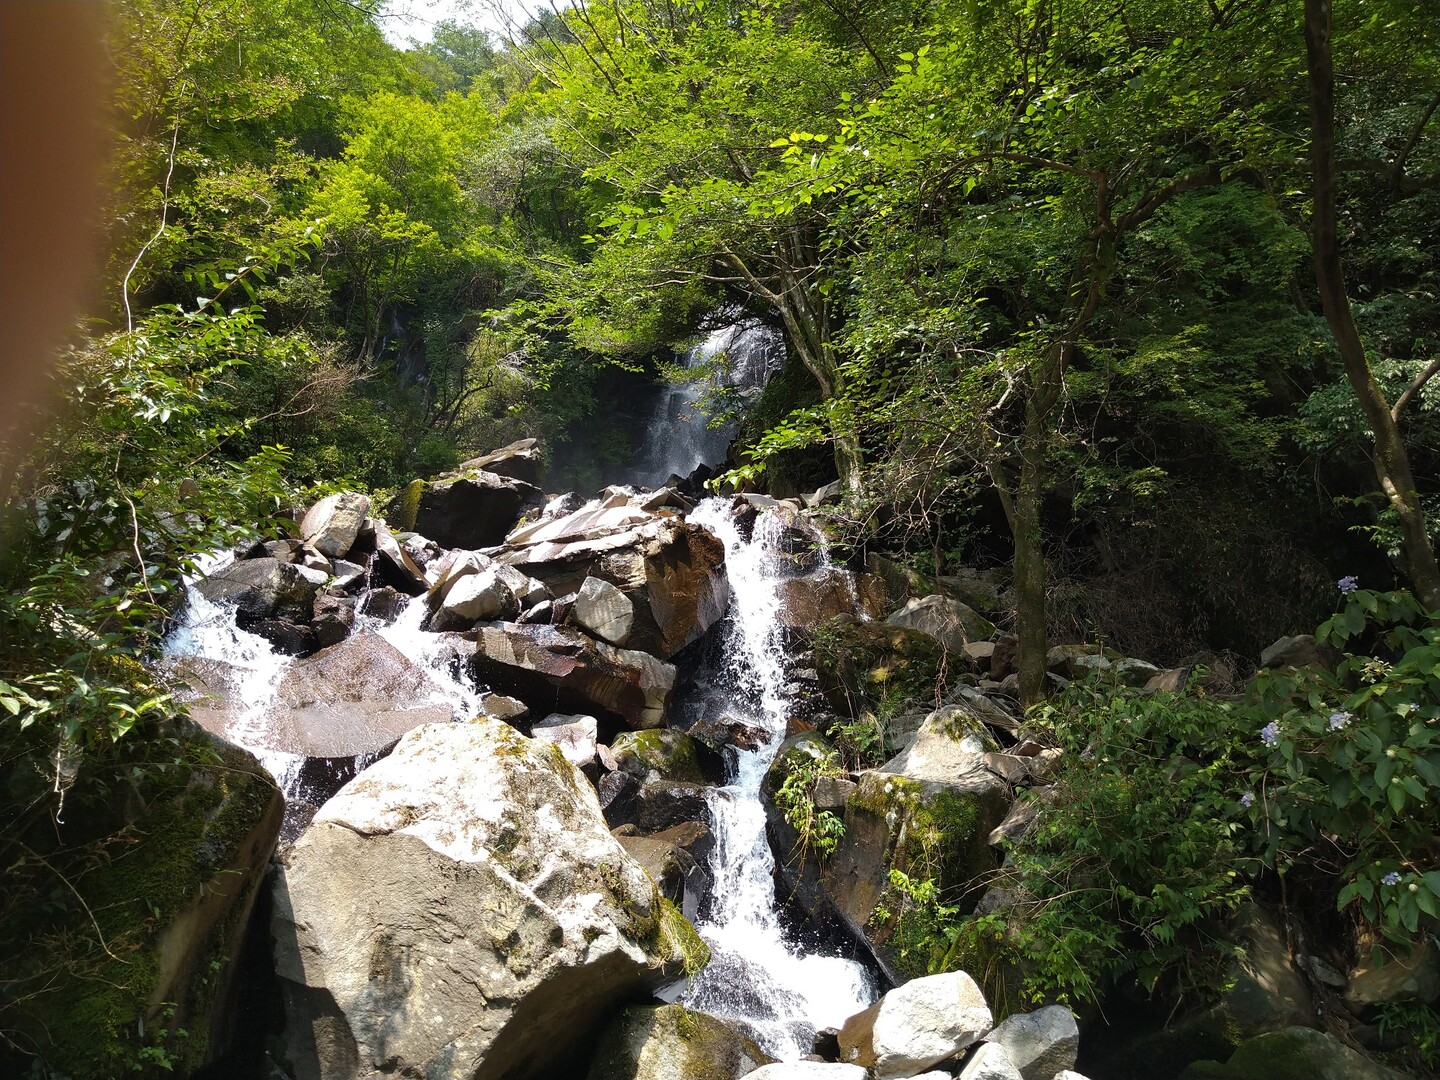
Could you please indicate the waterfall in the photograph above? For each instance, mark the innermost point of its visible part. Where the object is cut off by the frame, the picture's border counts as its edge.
(757, 975)
(679, 435)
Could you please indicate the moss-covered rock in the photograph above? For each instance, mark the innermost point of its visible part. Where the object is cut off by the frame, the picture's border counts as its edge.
(135, 977)
(863, 663)
(669, 1041)
(671, 754)
(1296, 1053)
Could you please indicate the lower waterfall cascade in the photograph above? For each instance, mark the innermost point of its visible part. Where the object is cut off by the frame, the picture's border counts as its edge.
(760, 978)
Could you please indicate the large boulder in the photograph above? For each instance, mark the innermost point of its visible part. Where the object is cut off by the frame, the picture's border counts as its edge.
(991, 1062)
(1039, 1044)
(472, 509)
(918, 1024)
(672, 572)
(555, 667)
(262, 588)
(459, 910)
(668, 754)
(605, 611)
(333, 523)
(574, 735)
(811, 599)
(950, 622)
(935, 829)
(356, 697)
(669, 1042)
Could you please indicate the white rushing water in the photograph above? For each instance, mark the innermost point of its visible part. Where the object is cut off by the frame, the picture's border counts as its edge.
(757, 975)
(679, 435)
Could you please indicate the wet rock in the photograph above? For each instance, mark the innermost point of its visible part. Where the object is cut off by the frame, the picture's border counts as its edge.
(574, 735)
(332, 524)
(916, 1025)
(665, 804)
(674, 858)
(356, 697)
(669, 1042)
(808, 1070)
(504, 708)
(474, 509)
(332, 617)
(672, 572)
(948, 621)
(809, 600)
(719, 732)
(288, 637)
(260, 589)
(565, 669)
(1041, 1043)
(604, 611)
(384, 604)
(520, 926)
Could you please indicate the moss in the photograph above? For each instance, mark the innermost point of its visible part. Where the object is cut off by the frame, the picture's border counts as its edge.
(675, 939)
(669, 753)
(865, 664)
(406, 507)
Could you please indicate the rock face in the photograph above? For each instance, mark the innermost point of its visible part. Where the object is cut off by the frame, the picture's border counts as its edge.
(1296, 1053)
(572, 672)
(1039, 1044)
(474, 509)
(950, 622)
(605, 611)
(670, 1042)
(333, 523)
(809, 600)
(458, 911)
(918, 1024)
(672, 572)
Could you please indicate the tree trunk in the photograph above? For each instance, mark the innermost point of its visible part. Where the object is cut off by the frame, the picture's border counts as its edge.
(1392, 461)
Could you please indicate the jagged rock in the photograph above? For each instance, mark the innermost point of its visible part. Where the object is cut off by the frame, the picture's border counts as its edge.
(519, 461)
(504, 708)
(1018, 821)
(384, 604)
(1296, 1053)
(562, 506)
(574, 735)
(672, 572)
(722, 731)
(618, 792)
(666, 804)
(807, 1070)
(950, 622)
(980, 652)
(311, 559)
(356, 697)
(520, 924)
(567, 670)
(990, 1062)
(333, 523)
(664, 753)
(279, 550)
(346, 573)
(285, 635)
(332, 617)
(918, 1024)
(854, 657)
(822, 496)
(949, 748)
(675, 858)
(471, 598)
(604, 610)
(474, 509)
(1041, 1043)
(982, 708)
(669, 1042)
(393, 564)
(260, 589)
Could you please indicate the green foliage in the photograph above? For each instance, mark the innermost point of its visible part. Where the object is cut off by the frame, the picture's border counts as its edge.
(818, 831)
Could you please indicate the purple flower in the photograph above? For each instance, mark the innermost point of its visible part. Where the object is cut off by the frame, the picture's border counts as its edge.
(1270, 733)
(1392, 878)
(1339, 719)
(1348, 584)
(1247, 800)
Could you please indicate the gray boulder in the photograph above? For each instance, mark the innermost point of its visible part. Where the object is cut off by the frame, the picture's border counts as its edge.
(918, 1024)
(519, 925)
(260, 588)
(949, 621)
(604, 610)
(669, 1042)
(1041, 1043)
(991, 1062)
(474, 509)
(519, 461)
(333, 523)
